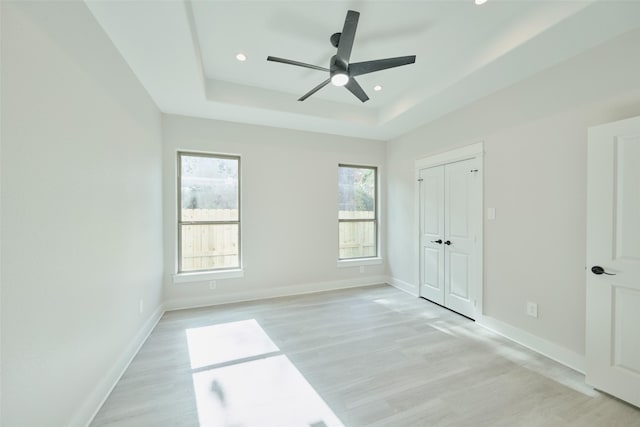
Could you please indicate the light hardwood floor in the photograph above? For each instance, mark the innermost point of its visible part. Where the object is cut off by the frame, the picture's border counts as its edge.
(371, 356)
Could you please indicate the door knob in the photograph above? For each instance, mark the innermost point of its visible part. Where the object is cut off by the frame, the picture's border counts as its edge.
(448, 242)
(596, 269)
(439, 241)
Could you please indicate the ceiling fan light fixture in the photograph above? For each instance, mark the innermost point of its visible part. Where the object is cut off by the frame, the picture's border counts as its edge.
(341, 71)
(479, 2)
(377, 88)
(339, 79)
(241, 57)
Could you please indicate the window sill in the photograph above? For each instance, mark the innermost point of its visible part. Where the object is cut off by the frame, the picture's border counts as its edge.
(345, 263)
(202, 276)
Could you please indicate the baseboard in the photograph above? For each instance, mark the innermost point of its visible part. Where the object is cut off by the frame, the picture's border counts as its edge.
(92, 404)
(553, 351)
(94, 401)
(403, 286)
(222, 297)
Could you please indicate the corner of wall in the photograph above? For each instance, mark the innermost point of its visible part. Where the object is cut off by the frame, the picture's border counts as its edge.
(88, 409)
(407, 287)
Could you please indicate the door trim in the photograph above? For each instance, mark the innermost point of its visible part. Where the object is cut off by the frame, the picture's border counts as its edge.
(473, 151)
(456, 155)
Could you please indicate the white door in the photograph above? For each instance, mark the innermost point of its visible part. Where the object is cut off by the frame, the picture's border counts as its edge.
(432, 234)
(613, 260)
(460, 234)
(449, 229)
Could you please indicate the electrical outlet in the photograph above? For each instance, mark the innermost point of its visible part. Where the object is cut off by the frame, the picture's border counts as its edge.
(212, 284)
(362, 269)
(532, 309)
(141, 306)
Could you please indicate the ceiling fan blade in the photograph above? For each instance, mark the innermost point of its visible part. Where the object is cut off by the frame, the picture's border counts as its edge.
(299, 64)
(314, 90)
(356, 89)
(346, 38)
(366, 67)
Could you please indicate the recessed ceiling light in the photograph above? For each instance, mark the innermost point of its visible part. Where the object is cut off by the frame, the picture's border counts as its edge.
(377, 88)
(241, 57)
(479, 2)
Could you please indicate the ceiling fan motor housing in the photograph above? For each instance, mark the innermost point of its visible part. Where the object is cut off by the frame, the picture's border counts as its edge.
(336, 67)
(335, 39)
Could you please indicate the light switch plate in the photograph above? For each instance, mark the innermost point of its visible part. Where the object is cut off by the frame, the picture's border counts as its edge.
(532, 309)
(491, 214)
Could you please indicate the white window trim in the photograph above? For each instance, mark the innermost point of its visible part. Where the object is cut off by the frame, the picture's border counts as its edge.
(357, 262)
(376, 259)
(202, 276)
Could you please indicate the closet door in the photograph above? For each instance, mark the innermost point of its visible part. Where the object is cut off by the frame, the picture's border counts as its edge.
(460, 231)
(432, 225)
(450, 220)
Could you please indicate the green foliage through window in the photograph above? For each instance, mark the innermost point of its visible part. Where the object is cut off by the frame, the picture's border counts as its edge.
(357, 219)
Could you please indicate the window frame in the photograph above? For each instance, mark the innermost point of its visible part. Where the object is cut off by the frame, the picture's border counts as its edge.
(181, 223)
(375, 221)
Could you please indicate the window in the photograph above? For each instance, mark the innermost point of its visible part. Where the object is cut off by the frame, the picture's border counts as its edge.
(208, 212)
(357, 211)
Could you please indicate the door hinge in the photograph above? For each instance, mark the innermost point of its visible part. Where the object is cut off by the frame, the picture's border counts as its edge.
(420, 180)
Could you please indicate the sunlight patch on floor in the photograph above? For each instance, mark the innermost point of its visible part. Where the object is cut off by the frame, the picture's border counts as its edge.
(215, 344)
(443, 327)
(264, 392)
(239, 382)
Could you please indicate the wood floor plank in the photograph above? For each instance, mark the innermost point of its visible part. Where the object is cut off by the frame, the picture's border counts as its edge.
(370, 356)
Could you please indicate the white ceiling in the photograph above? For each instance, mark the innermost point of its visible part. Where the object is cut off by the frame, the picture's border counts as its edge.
(183, 52)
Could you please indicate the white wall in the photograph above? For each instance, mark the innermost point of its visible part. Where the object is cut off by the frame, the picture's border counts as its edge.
(535, 153)
(81, 213)
(0, 219)
(82, 188)
(289, 208)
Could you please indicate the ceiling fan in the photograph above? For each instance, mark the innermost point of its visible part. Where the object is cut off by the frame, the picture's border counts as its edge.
(341, 72)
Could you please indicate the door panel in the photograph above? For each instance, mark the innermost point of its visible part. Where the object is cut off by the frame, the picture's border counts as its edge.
(434, 208)
(627, 201)
(432, 271)
(613, 236)
(432, 229)
(458, 277)
(627, 318)
(460, 187)
(457, 200)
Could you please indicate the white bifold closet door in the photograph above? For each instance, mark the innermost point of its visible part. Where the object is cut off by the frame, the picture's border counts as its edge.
(449, 200)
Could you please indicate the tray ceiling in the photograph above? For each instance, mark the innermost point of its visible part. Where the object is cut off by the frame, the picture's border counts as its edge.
(184, 53)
